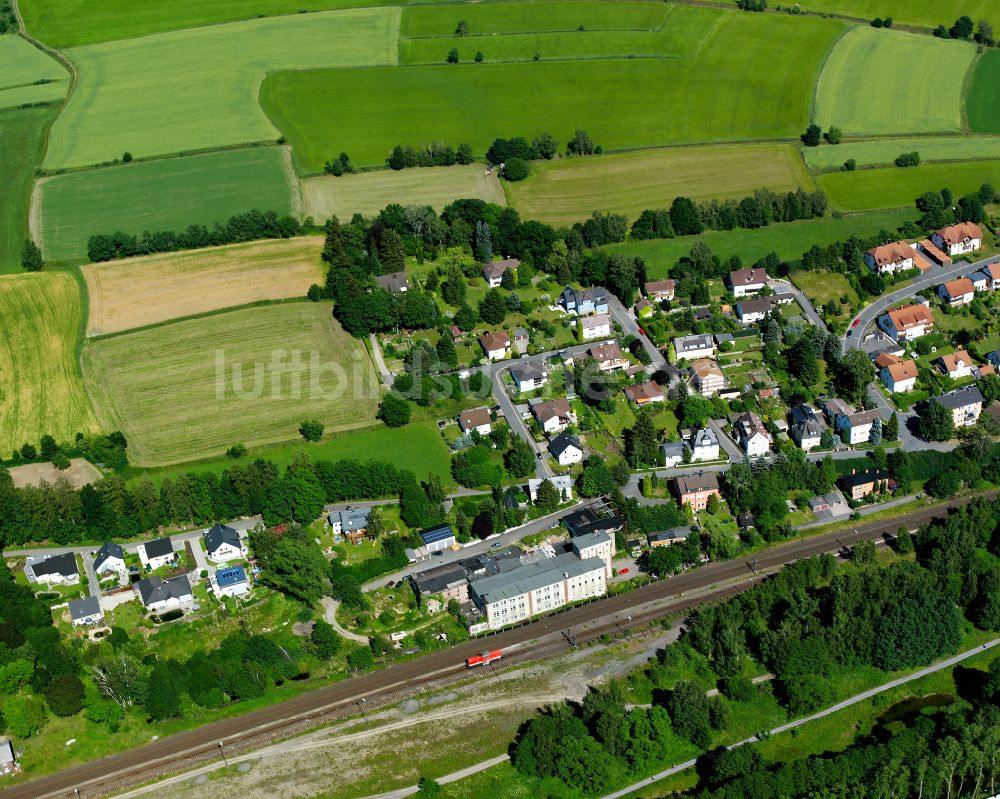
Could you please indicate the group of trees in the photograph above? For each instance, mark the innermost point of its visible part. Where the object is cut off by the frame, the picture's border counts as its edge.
(940, 209)
(341, 165)
(250, 226)
(8, 20)
(475, 466)
(503, 151)
(966, 30)
(110, 450)
(434, 154)
(31, 257)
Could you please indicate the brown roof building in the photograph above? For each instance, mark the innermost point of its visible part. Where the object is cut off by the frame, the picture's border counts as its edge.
(642, 393)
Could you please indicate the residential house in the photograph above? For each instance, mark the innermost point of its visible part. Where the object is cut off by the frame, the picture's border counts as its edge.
(438, 538)
(521, 340)
(744, 282)
(859, 485)
(993, 356)
(964, 403)
(957, 292)
(449, 581)
(563, 483)
(223, 544)
(456, 331)
(608, 356)
(987, 369)
(159, 595)
(598, 545)
(691, 347)
(908, 322)
(806, 430)
(981, 281)
(596, 326)
(230, 582)
(896, 256)
(707, 377)
(644, 308)
(965, 237)
(897, 375)
(352, 523)
(477, 419)
(695, 489)
(673, 453)
(745, 521)
(667, 538)
(395, 283)
(8, 759)
(554, 416)
(86, 612)
(644, 393)
(586, 521)
(829, 501)
(584, 301)
(752, 311)
(753, 435)
(566, 449)
(659, 290)
(992, 274)
(110, 561)
(529, 375)
(52, 570)
(493, 272)
(956, 364)
(154, 554)
(858, 424)
(495, 345)
(704, 445)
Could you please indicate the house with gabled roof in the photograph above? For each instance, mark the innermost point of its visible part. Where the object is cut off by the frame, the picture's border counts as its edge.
(554, 415)
(566, 449)
(659, 290)
(692, 347)
(232, 581)
(908, 322)
(493, 272)
(960, 239)
(595, 326)
(477, 419)
(897, 375)
(644, 393)
(496, 345)
(956, 364)
(888, 259)
(753, 435)
(562, 483)
(584, 301)
(965, 404)
(223, 544)
(746, 281)
(608, 356)
(157, 553)
(58, 569)
(159, 595)
(85, 612)
(110, 561)
(957, 292)
(529, 375)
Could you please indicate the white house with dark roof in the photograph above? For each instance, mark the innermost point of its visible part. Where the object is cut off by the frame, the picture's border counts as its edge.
(704, 445)
(494, 271)
(964, 403)
(232, 581)
(395, 282)
(693, 347)
(753, 435)
(159, 595)
(746, 281)
(52, 570)
(563, 483)
(529, 375)
(673, 453)
(595, 327)
(566, 449)
(223, 544)
(86, 612)
(110, 561)
(477, 419)
(154, 554)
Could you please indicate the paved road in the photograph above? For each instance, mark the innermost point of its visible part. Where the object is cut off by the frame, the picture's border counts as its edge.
(784, 286)
(736, 455)
(623, 316)
(387, 377)
(941, 665)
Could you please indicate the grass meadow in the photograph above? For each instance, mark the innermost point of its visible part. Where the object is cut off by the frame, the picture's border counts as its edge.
(883, 82)
(790, 240)
(21, 66)
(721, 94)
(160, 94)
(564, 192)
(163, 194)
(176, 393)
(21, 131)
(896, 187)
(883, 152)
(144, 291)
(926, 13)
(983, 101)
(369, 192)
(41, 390)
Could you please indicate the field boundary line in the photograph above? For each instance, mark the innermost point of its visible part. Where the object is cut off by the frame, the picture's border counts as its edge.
(966, 86)
(819, 74)
(294, 184)
(35, 227)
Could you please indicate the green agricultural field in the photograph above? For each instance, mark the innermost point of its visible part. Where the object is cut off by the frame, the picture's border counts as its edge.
(564, 192)
(895, 187)
(983, 102)
(22, 66)
(909, 83)
(369, 192)
(191, 389)
(164, 194)
(21, 131)
(159, 95)
(928, 13)
(883, 152)
(789, 240)
(41, 391)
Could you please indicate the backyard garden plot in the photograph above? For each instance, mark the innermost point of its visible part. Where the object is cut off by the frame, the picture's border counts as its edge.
(564, 192)
(191, 389)
(895, 187)
(369, 192)
(165, 194)
(160, 94)
(27, 75)
(881, 82)
(40, 388)
(723, 92)
(883, 152)
(144, 291)
(983, 102)
(928, 13)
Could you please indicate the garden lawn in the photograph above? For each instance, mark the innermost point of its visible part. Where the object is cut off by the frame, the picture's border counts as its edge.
(928, 13)
(897, 187)
(191, 389)
(369, 192)
(21, 131)
(165, 194)
(820, 287)
(144, 291)
(41, 391)
(722, 91)
(983, 101)
(567, 191)
(882, 82)
(790, 239)
(159, 94)
(883, 152)
(22, 66)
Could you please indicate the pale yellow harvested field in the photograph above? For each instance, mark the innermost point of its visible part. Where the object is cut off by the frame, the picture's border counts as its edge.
(369, 192)
(81, 472)
(143, 291)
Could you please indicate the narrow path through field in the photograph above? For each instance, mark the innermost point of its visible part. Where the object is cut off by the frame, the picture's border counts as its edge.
(380, 361)
(330, 606)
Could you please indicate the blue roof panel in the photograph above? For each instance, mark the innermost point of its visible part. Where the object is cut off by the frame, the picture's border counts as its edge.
(233, 576)
(435, 534)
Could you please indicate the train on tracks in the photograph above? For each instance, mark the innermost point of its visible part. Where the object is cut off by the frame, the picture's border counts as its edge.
(483, 659)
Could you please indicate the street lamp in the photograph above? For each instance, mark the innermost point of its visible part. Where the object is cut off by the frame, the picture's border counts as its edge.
(222, 751)
(361, 706)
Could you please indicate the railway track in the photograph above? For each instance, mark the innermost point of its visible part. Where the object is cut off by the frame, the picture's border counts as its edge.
(538, 639)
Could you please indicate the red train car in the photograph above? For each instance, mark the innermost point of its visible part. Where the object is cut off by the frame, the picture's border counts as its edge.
(483, 659)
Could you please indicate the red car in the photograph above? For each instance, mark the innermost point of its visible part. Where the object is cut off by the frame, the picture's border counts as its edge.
(623, 571)
(642, 330)
(855, 323)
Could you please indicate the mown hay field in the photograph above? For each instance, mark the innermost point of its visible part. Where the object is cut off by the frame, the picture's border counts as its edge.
(164, 194)
(144, 291)
(564, 192)
(197, 89)
(896, 187)
(928, 13)
(883, 152)
(369, 192)
(189, 390)
(21, 66)
(721, 94)
(882, 82)
(40, 387)
(983, 102)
